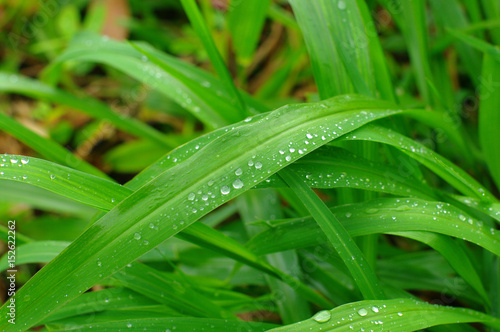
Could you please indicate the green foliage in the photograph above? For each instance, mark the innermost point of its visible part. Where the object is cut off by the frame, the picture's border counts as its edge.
(241, 168)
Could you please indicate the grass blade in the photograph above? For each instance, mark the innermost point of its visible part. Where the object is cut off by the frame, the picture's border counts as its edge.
(403, 315)
(44, 146)
(35, 252)
(380, 216)
(338, 237)
(96, 109)
(245, 20)
(110, 240)
(201, 29)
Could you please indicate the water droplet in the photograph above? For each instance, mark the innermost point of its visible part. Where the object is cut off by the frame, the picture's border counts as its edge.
(250, 163)
(400, 314)
(288, 158)
(238, 172)
(292, 150)
(225, 190)
(237, 184)
(348, 215)
(14, 161)
(191, 196)
(362, 312)
(129, 325)
(322, 316)
(99, 263)
(371, 210)
(174, 226)
(204, 197)
(145, 242)
(341, 5)
(309, 136)
(258, 165)
(374, 309)
(24, 160)
(151, 225)
(52, 176)
(137, 236)
(210, 183)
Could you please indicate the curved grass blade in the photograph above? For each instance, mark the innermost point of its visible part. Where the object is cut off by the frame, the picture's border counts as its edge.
(17, 192)
(169, 289)
(454, 175)
(108, 299)
(94, 108)
(35, 252)
(44, 146)
(79, 186)
(130, 320)
(454, 254)
(183, 83)
(172, 201)
(338, 237)
(105, 195)
(404, 315)
(385, 215)
(333, 167)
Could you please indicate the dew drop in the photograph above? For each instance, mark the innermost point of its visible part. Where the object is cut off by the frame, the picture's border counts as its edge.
(322, 316)
(129, 325)
(24, 160)
(341, 5)
(250, 163)
(52, 176)
(191, 196)
(258, 165)
(238, 172)
(362, 312)
(237, 184)
(371, 210)
(145, 242)
(374, 309)
(400, 314)
(204, 197)
(14, 161)
(288, 158)
(225, 190)
(151, 225)
(137, 236)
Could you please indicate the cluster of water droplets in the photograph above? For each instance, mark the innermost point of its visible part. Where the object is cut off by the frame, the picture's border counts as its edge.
(355, 316)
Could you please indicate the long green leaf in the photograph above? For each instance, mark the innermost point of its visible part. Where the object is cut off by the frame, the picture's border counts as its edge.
(44, 146)
(441, 166)
(35, 252)
(201, 29)
(176, 198)
(245, 20)
(26, 86)
(380, 216)
(404, 315)
(338, 237)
